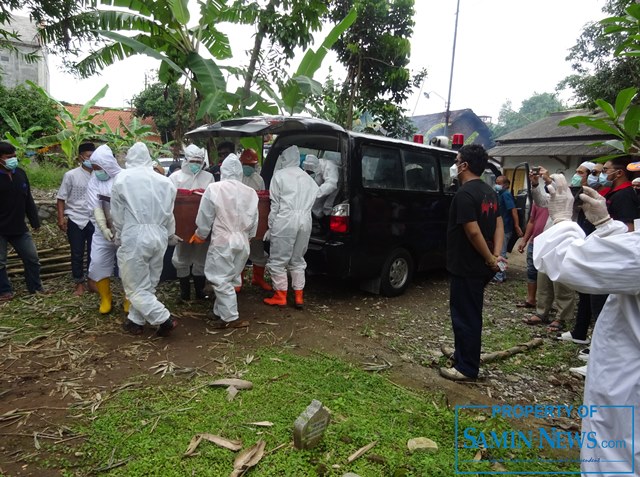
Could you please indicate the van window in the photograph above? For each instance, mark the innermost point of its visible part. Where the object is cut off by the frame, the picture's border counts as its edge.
(381, 168)
(446, 161)
(421, 171)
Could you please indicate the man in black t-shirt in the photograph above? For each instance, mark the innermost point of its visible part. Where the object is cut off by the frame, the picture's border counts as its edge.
(474, 240)
(622, 201)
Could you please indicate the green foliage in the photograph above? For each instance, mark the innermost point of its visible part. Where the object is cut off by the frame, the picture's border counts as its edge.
(46, 175)
(30, 110)
(621, 119)
(599, 72)
(74, 129)
(538, 106)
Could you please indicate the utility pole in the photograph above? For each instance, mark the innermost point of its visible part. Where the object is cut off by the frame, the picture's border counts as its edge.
(447, 113)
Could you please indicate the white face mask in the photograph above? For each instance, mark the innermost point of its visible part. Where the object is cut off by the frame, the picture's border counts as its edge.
(453, 171)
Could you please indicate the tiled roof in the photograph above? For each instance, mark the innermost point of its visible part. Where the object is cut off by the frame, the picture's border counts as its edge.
(113, 117)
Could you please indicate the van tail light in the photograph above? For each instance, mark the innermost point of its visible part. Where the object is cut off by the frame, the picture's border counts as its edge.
(339, 220)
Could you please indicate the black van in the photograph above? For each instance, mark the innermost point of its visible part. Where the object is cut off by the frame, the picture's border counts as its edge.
(390, 214)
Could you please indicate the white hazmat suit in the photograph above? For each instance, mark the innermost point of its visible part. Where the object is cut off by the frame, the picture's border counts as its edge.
(293, 193)
(189, 258)
(326, 175)
(142, 211)
(103, 250)
(607, 261)
(229, 210)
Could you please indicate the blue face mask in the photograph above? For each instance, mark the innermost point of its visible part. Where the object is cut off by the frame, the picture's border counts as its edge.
(11, 163)
(602, 178)
(497, 187)
(576, 180)
(101, 175)
(87, 164)
(194, 168)
(247, 171)
(592, 180)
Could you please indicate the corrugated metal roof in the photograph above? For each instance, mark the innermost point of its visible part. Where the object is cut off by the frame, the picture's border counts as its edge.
(552, 148)
(547, 128)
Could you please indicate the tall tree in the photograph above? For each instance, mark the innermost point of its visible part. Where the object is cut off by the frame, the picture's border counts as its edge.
(30, 109)
(536, 107)
(599, 73)
(375, 52)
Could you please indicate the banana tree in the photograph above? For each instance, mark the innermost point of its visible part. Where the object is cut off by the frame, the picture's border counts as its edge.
(20, 138)
(74, 129)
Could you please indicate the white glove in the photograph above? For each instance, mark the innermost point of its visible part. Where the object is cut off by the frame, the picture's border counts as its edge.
(560, 199)
(594, 206)
(116, 240)
(267, 236)
(101, 220)
(174, 240)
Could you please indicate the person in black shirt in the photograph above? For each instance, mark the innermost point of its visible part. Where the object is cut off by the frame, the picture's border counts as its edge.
(474, 240)
(16, 203)
(224, 149)
(622, 201)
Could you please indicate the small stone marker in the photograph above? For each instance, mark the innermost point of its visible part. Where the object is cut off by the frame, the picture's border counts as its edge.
(310, 426)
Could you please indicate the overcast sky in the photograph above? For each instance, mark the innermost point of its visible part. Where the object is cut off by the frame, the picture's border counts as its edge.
(506, 50)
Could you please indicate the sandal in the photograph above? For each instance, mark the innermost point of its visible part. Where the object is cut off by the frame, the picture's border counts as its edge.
(555, 326)
(525, 304)
(535, 319)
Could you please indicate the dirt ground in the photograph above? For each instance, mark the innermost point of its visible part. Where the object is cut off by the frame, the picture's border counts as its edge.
(401, 335)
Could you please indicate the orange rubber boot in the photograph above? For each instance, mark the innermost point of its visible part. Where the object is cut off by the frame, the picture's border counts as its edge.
(299, 303)
(279, 298)
(258, 278)
(239, 289)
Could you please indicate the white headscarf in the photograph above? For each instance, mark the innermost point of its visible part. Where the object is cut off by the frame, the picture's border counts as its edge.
(104, 158)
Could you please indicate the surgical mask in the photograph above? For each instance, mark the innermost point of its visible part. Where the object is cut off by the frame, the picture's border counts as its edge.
(101, 175)
(87, 164)
(194, 168)
(11, 163)
(453, 171)
(592, 180)
(248, 171)
(576, 180)
(602, 178)
(497, 187)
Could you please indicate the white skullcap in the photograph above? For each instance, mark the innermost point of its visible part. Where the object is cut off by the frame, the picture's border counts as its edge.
(636, 181)
(588, 165)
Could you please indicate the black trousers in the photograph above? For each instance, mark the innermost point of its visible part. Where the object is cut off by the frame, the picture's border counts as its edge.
(80, 241)
(589, 306)
(466, 297)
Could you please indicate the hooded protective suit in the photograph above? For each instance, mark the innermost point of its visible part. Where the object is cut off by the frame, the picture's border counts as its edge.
(103, 251)
(326, 174)
(229, 210)
(142, 211)
(607, 261)
(293, 193)
(188, 257)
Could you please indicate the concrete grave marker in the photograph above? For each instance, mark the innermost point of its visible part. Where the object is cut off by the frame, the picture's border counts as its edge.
(310, 426)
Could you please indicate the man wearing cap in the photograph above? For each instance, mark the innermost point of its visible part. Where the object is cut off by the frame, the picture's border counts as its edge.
(74, 217)
(605, 261)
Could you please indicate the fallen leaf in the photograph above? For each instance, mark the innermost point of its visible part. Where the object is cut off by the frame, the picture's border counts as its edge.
(193, 445)
(232, 391)
(237, 383)
(219, 441)
(423, 444)
(360, 451)
(248, 458)
(260, 424)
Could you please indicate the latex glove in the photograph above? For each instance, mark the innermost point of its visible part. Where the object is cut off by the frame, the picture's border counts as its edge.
(594, 207)
(101, 220)
(116, 240)
(196, 239)
(560, 199)
(267, 236)
(174, 240)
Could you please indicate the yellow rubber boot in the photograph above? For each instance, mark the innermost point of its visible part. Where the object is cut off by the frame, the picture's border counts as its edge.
(125, 305)
(279, 298)
(104, 289)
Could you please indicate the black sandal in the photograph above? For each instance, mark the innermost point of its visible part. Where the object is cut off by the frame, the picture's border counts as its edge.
(535, 319)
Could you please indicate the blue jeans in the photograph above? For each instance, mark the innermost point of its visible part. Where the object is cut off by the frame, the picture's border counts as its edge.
(79, 240)
(502, 276)
(532, 271)
(26, 250)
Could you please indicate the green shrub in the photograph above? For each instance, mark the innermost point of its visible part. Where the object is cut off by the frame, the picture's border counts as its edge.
(44, 175)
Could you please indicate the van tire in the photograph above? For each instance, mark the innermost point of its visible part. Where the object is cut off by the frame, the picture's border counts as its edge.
(397, 273)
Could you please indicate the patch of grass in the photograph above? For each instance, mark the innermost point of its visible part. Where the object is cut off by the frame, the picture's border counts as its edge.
(151, 427)
(45, 175)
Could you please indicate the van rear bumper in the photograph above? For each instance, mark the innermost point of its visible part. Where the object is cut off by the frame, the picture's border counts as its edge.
(329, 258)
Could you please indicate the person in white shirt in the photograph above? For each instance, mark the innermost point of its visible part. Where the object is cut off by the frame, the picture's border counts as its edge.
(189, 258)
(74, 216)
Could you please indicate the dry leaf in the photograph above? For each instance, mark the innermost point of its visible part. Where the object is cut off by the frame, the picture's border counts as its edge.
(260, 424)
(217, 440)
(232, 392)
(248, 458)
(237, 383)
(360, 451)
(193, 445)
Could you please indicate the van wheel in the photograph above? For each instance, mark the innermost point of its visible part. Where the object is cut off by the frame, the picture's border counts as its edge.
(396, 274)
